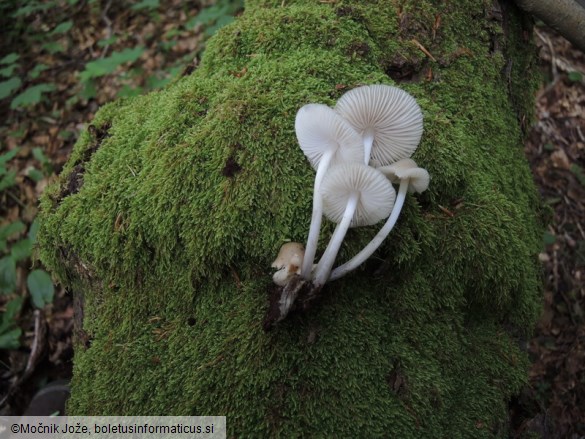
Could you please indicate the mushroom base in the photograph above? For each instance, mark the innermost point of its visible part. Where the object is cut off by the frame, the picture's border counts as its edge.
(298, 294)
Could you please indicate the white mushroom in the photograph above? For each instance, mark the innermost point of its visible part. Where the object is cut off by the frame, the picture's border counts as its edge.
(353, 195)
(411, 178)
(417, 179)
(388, 119)
(288, 262)
(326, 139)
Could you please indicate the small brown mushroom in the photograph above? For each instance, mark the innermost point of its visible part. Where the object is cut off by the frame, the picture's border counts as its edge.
(288, 262)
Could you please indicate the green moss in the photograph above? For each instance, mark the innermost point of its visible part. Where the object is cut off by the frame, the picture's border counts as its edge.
(171, 243)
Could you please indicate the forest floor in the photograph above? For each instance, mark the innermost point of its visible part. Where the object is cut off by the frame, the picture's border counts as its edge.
(556, 150)
(69, 63)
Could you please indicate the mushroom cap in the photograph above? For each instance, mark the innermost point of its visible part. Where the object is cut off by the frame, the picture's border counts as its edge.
(390, 114)
(320, 129)
(407, 168)
(291, 253)
(376, 193)
(289, 261)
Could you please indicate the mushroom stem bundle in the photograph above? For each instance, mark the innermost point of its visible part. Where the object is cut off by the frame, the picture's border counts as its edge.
(374, 126)
(326, 139)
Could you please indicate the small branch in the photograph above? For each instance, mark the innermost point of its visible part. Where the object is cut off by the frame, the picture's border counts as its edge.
(15, 199)
(567, 17)
(553, 62)
(423, 49)
(36, 351)
(37, 345)
(108, 22)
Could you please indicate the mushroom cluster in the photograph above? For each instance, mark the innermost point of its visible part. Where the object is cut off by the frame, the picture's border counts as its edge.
(358, 149)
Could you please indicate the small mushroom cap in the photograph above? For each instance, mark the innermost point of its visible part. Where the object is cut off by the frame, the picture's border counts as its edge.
(376, 193)
(391, 171)
(407, 168)
(289, 262)
(390, 114)
(290, 253)
(320, 129)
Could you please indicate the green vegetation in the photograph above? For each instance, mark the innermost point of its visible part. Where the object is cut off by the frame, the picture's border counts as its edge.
(575, 76)
(171, 247)
(16, 248)
(215, 16)
(9, 333)
(22, 86)
(39, 87)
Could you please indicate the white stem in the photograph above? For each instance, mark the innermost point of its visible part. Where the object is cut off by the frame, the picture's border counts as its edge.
(313, 239)
(373, 245)
(368, 138)
(328, 259)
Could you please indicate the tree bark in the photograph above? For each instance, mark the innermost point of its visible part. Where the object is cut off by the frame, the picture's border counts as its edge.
(174, 204)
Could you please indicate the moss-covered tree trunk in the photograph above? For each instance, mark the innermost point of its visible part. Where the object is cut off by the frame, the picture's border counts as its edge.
(173, 206)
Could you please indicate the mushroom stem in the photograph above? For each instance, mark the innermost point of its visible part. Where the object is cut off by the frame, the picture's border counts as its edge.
(328, 259)
(368, 138)
(313, 238)
(373, 245)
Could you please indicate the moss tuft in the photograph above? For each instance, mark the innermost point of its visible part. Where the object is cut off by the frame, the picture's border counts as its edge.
(182, 206)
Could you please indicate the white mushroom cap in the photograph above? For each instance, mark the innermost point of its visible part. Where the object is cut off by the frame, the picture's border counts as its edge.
(353, 195)
(387, 113)
(419, 178)
(325, 138)
(288, 262)
(376, 193)
(320, 129)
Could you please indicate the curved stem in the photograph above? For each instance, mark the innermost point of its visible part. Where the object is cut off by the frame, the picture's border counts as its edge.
(313, 239)
(368, 138)
(373, 245)
(328, 259)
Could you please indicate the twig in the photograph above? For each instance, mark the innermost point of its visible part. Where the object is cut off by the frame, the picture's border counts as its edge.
(37, 345)
(553, 61)
(423, 49)
(108, 26)
(446, 211)
(581, 136)
(580, 229)
(15, 199)
(36, 350)
(556, 270)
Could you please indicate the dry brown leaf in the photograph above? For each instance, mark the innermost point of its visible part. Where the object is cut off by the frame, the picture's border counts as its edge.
(560, 159)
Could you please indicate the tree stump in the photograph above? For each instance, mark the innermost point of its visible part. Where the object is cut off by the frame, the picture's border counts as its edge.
(173, 206)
